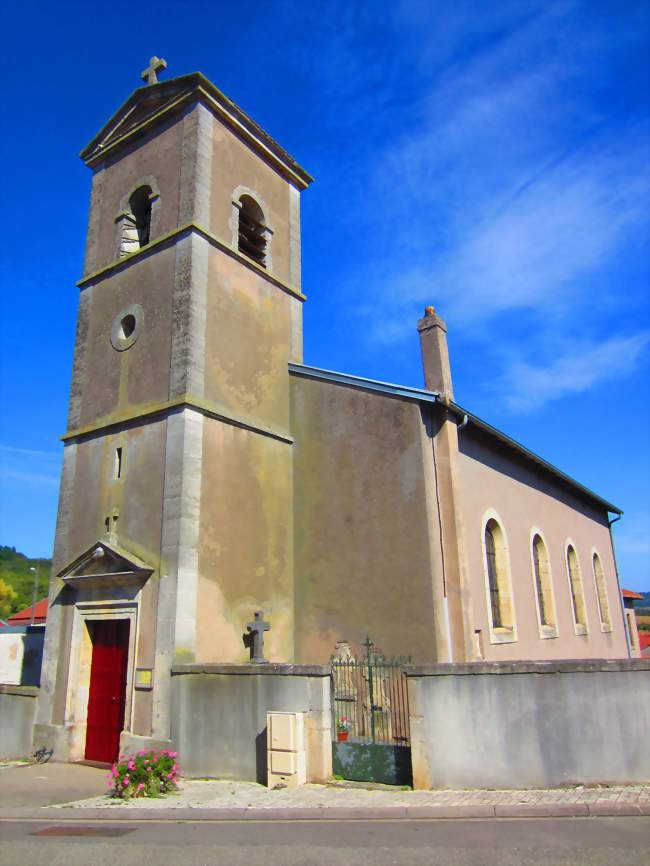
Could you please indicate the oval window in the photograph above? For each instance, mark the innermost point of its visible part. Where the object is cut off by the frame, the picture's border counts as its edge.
(126, 327)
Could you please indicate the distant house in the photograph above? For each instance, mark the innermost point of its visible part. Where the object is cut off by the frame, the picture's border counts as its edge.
(24, 617)
(629, 597)
(644, 644)
(21, 646)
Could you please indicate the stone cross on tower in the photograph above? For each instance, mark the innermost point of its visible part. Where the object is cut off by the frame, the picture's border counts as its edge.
(150, 74)
(256, 630)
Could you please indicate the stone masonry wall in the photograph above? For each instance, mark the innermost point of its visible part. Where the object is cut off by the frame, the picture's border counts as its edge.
(529, 724)
(219, 717)
(18, 706)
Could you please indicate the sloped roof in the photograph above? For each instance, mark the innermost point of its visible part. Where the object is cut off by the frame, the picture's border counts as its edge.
(24, 617)
(154, 103)
(628, 593)
(421, 395)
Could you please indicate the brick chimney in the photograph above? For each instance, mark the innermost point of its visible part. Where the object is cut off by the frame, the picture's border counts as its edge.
(435, 357)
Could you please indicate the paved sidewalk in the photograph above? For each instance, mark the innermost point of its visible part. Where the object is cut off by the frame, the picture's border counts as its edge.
(227, 800)
(26, 785)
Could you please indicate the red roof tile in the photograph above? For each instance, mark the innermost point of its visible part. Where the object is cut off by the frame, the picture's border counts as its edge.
(24, 617)
(627, 593)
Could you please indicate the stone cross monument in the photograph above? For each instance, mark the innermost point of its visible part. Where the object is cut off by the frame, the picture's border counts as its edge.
(256, 629)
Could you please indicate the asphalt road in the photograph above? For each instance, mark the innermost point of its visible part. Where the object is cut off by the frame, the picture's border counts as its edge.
(500, 842)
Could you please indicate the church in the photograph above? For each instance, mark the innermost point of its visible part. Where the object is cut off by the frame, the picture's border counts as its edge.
(209, 473)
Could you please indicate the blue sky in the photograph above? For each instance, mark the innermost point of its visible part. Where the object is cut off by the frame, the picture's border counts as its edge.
(489, 159)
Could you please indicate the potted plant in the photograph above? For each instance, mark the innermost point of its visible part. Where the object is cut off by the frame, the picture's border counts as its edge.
(342, 730)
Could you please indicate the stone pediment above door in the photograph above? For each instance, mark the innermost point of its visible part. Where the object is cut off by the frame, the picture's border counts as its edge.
(105, 565)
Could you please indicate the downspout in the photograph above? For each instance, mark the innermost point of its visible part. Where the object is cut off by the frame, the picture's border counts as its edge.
(442, 551)
(618, 583)
(459, 427)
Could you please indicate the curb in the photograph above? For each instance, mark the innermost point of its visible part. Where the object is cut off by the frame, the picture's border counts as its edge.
(330, 813)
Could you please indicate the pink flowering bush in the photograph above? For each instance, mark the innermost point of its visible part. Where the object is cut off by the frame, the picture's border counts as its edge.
(147, 774)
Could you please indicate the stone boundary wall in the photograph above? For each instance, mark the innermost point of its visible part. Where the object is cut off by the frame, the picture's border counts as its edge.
(529, 724)
(219, 716)
(18, 705)
(21, 655)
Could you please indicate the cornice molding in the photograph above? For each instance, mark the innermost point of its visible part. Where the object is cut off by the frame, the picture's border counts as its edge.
(175, 235)
(194, 87)
(186, 401)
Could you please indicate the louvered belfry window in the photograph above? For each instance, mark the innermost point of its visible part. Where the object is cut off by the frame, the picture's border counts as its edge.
(252, 230)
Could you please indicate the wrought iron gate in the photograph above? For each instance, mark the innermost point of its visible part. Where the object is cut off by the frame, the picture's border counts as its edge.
(371, 735)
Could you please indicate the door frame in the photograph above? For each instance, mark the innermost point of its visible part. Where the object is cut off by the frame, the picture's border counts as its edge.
(78, 692)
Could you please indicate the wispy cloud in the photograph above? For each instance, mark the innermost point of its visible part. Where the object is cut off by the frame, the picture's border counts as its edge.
(28, 466)
(539, 251)
(518, 191)
(526, 386)
(29, 452)
(33, 478)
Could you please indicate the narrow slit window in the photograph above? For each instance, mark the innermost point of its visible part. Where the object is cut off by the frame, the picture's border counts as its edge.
(118, 463)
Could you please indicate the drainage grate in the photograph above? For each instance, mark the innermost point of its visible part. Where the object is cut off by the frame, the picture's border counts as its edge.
(62, 830)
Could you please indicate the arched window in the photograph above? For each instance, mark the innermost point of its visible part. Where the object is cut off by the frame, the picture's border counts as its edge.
(632, 631)
(538, 557)
(601, 594)
(543, 587)
(493, 576)
(140, 203)
(577, 594)
(498, 584)
(252, 230)
(136, 221)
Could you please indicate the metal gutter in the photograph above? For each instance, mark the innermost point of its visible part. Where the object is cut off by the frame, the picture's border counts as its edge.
(535, 458)
(423, 396)
(365, 384)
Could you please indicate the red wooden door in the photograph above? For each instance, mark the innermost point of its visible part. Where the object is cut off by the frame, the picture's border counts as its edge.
(107, 694)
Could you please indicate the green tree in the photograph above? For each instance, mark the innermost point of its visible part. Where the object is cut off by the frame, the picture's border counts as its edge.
(7, 597)
(15, 572)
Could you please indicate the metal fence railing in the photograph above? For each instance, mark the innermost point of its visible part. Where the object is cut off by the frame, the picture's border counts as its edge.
(370, 698)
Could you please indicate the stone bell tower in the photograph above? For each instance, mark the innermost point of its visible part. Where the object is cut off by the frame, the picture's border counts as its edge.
(175, 512)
